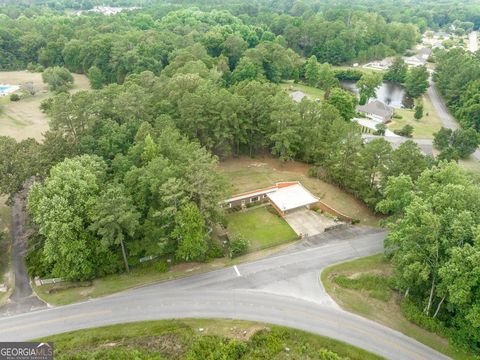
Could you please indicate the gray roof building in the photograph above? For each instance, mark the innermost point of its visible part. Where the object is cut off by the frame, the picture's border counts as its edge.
(377, 110)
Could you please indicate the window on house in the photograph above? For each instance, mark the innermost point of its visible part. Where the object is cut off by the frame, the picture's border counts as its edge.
(255, 198)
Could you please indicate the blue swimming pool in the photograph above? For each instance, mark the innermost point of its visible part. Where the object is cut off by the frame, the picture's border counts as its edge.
(5, 88)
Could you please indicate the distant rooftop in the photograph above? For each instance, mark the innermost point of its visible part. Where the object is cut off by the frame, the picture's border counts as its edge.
(376, 107)
(297, 96)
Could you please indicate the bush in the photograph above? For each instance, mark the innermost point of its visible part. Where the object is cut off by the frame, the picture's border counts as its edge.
(215, 250)
(406, 131)
(161, 266)
(214, 347)
(377, 286)
(14, 97)
(413, 314)
(348, 74)
(238, 246)
(397, 116)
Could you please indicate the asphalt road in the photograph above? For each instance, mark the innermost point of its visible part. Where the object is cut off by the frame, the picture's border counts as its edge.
(22, 299)
(283, 289)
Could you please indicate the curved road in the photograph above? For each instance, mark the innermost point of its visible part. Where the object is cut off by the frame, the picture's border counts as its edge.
(283, 289)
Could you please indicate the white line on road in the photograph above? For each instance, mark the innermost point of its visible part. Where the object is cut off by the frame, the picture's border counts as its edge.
(236, 270)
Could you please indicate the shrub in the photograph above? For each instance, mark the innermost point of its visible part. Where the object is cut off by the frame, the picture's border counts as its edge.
(413, 314)
(161, 266)
(377, 286)
(215, 250)
(397, 116)
(406, 131)
(348, 74)
(238, 246)
(14, 97)
(31, 67)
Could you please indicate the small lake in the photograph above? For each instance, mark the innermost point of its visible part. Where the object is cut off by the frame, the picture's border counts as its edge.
(389, 93)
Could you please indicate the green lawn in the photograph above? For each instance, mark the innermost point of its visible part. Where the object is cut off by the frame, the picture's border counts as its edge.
(312, 93)
(423, 128)
(261, 227)
(362, 287)
(199, 339)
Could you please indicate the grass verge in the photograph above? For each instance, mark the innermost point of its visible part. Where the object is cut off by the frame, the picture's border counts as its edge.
(261, 227)
(200, 339)
(67, 293)
(362, 287)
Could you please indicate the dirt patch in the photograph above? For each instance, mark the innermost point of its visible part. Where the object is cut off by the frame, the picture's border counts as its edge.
(245, 334)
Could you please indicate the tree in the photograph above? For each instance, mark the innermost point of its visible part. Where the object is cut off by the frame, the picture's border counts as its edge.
(373, 162)
(114, 218)
(190, 233)
(29, 88)
(61, 208)
(367, 86)
(456, 144)
(416, 81)
(418, 111)
(441, 138)
(326, 79)
(312, 71)
(407, 159)
(406, 131)
(58, 78)
(18, 162)
(465, 142)
(96, 77)
(397, 71)
(233, 47)
(344, 101)
(433, 244)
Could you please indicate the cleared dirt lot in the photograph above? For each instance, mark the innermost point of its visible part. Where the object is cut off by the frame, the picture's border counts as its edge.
(24, 119)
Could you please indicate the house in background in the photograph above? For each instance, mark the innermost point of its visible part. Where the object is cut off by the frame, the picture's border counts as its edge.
(377, 110)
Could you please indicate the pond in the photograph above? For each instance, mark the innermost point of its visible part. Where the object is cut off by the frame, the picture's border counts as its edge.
(390, 93)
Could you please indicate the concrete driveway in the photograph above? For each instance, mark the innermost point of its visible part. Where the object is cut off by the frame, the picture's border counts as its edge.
(307, 222)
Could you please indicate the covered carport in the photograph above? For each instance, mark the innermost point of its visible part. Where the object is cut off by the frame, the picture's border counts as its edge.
(293, 203)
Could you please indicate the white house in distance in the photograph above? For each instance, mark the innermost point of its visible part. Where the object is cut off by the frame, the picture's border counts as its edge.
(377, 110)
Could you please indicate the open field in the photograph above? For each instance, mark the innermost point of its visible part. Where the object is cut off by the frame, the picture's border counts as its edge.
(361, 286)
(23, 119)
(249, 174)
(423, 128)
(261, 227)
(199, 339)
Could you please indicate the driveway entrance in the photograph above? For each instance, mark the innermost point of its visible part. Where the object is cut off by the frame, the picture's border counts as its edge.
(307, 222)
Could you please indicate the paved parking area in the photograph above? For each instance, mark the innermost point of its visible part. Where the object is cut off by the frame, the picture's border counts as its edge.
(307, 222)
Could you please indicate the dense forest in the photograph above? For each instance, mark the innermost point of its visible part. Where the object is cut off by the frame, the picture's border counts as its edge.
(129, 169)
(457, 76)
